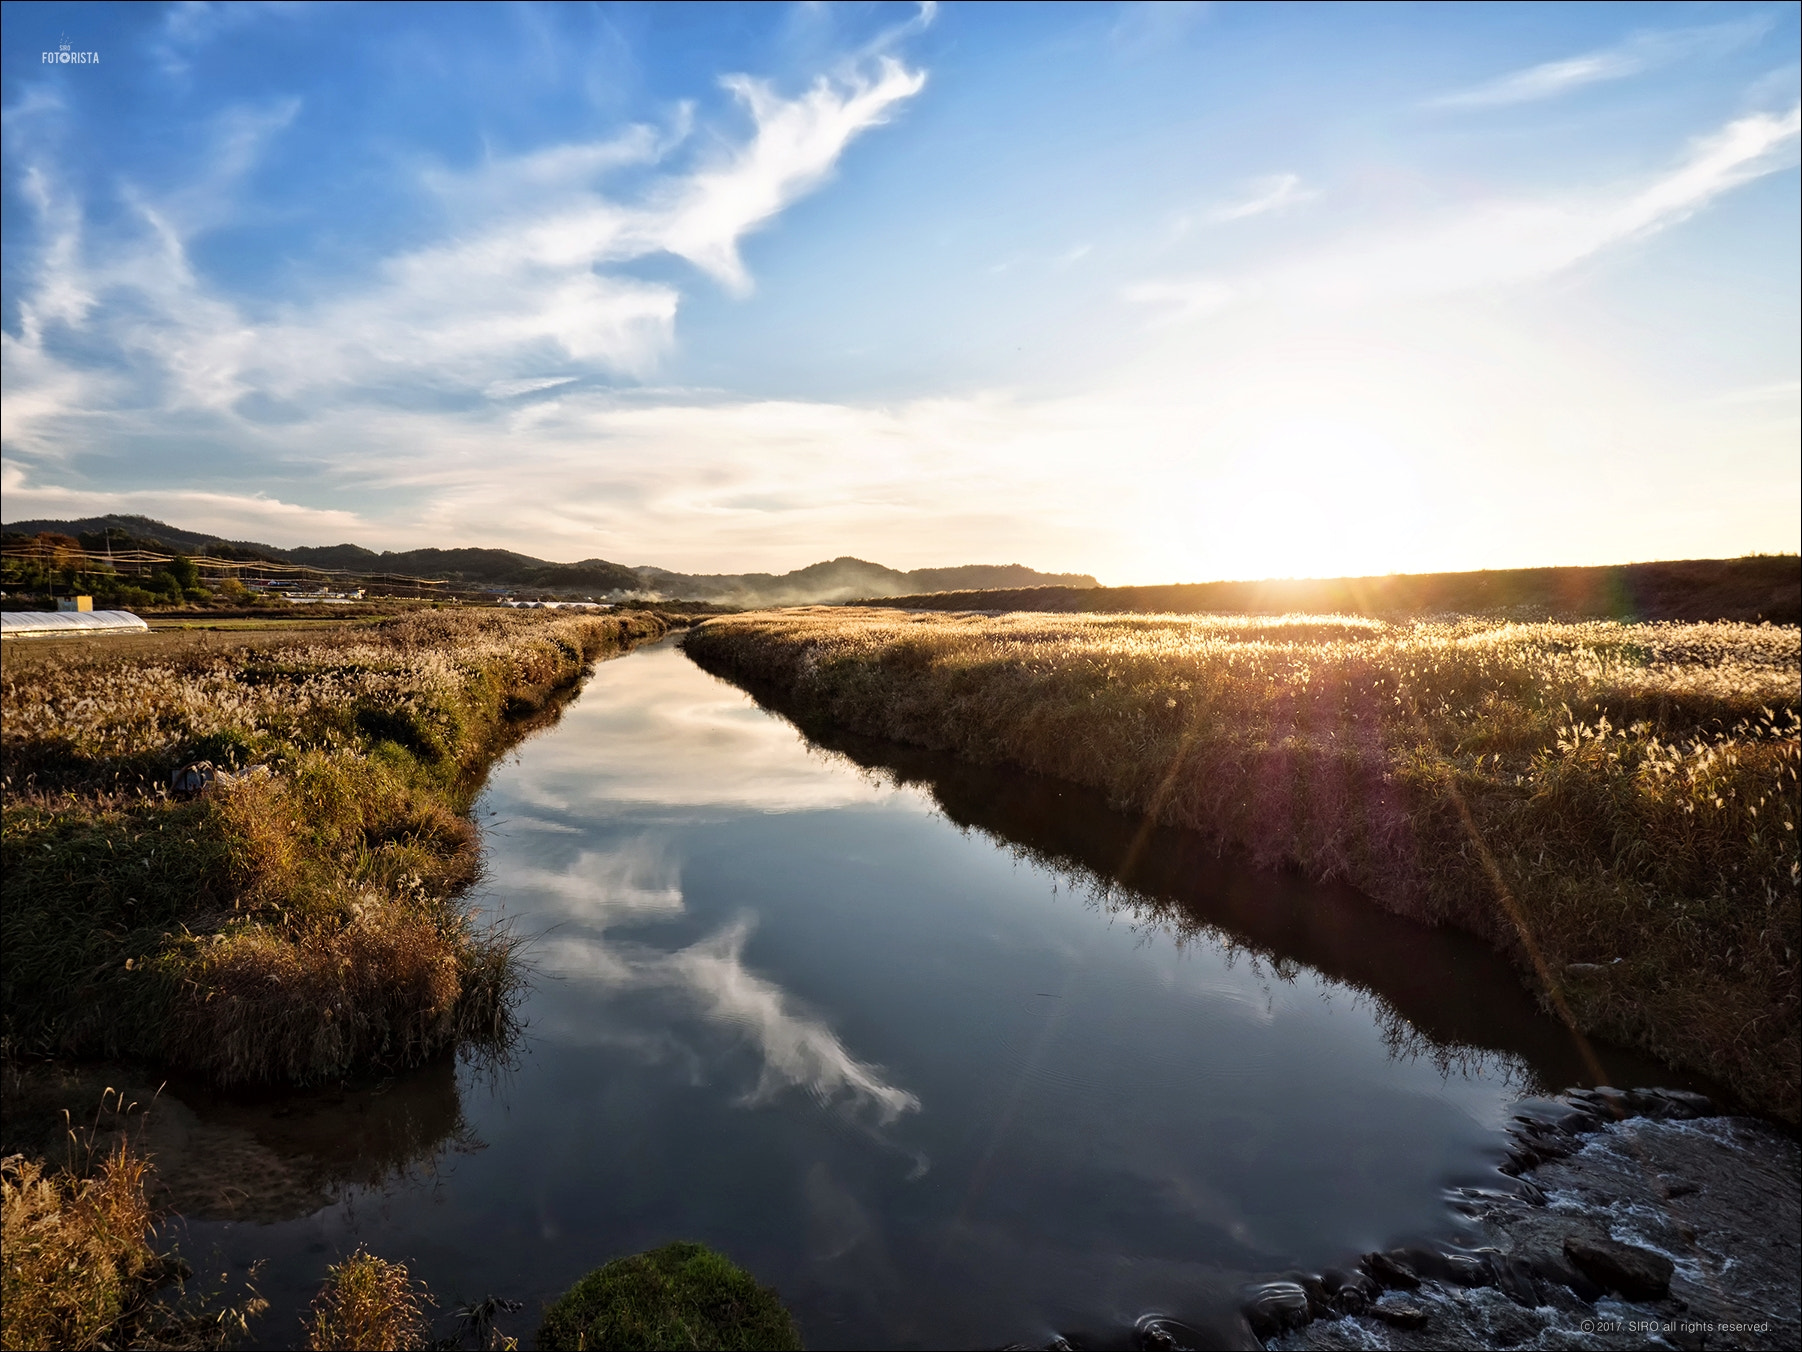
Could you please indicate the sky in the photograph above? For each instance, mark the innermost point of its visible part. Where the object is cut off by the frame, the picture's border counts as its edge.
(1159, 292)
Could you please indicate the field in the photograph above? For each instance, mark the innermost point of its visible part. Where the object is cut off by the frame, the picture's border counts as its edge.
(1613, 805)
(298, 917)
(1757, 587)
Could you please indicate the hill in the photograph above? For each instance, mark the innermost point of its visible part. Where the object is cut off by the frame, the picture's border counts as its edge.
(1758, 587)
(846, 579)
(836, 580)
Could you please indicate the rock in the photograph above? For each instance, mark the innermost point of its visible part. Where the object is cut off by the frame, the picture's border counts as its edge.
(1400, 1316)
(1157, 1338)
(1350, 1292)
(191, 779)
(1636, 1273)
(1514, 1278)
(1391, 1271)
(1465, 1269)
(1678, 1105)
(1606, 1102)
(1276, 1307)
(1555, 1267)
(1320, 1303)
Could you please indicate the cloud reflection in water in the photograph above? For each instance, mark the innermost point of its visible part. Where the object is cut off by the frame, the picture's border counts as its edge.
(640, 881)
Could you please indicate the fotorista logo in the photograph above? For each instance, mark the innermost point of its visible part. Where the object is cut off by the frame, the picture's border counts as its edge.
(62, 56)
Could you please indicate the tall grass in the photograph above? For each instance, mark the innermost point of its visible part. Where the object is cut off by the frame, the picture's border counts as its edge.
(300, 918)
(1614, 805)
(77, 1255)
(369, 1304)
(79, 1267)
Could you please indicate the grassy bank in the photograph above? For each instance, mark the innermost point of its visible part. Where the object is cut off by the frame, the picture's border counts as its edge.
(1612, 805)
(299, 918)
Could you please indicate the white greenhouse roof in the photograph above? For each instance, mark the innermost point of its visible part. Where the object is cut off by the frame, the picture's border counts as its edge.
(49, 623)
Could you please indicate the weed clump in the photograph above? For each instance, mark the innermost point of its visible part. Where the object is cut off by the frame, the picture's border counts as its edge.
(678, 1296)
(368, 1304)
(77, 1257)
(80, 1269)
(299, 918)
(1614, 805)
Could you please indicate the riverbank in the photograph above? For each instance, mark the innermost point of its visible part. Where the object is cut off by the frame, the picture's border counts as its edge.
(1613, 806)
(242, 854)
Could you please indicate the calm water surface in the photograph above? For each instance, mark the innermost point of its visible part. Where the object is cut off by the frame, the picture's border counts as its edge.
(951, 1057)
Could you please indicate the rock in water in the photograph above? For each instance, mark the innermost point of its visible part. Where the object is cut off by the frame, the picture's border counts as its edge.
(1391, 1271)
(1400, 1316)
(1276, 1307)
(1636, 1273)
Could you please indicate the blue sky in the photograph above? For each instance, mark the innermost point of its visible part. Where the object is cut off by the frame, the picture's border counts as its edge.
(1159, 292)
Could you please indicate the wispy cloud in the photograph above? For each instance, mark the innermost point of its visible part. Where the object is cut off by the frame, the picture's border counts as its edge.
(1147, 26)
(528, 278)
(189, 25)
(638, 881)
(234, 516)
(1498, 243)
(1267, 194)
(797, 143)
(512, 389)
(1640, 53)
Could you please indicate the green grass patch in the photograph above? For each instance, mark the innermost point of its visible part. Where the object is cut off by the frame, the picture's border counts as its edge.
(679, 1296)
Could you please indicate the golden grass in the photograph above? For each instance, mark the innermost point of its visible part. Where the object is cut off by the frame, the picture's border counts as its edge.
(368, 1304)
(77, 1254)
(1611, 796)
(300, 918)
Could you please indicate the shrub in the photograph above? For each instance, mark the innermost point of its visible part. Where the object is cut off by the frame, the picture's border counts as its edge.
(679, 1296)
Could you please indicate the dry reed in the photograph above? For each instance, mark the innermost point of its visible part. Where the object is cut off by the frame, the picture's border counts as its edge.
(368, 1304)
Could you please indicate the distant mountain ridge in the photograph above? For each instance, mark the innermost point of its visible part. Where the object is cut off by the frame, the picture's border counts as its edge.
(841, 579)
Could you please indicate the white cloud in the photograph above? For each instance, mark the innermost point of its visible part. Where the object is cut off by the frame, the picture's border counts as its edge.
(1149, 27)
(798, 1050)
(1267, 194)
(523, 281)
(509, 389)
(797, 143)
(189, 25)
(638, 881)
(1640, 53)
(1545, 81)
(234, 516)
(1497, 243)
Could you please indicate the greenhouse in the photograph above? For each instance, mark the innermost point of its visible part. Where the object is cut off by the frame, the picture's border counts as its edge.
(61, 623)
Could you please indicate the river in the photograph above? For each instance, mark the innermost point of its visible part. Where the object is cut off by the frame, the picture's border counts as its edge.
(949, 1056)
